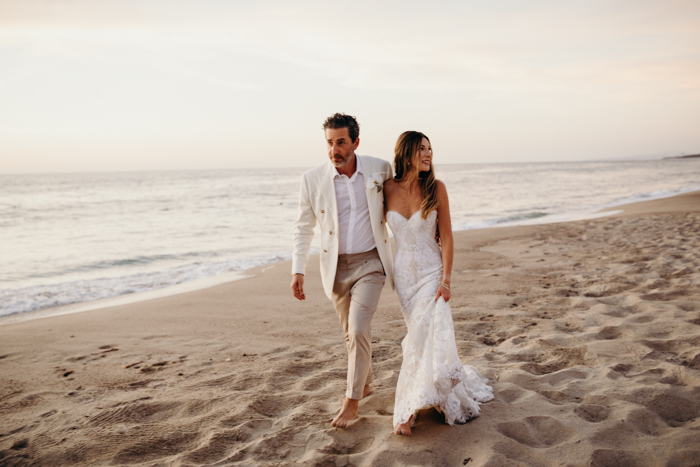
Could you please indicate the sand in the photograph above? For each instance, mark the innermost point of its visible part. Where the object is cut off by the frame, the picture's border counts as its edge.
(589, 332)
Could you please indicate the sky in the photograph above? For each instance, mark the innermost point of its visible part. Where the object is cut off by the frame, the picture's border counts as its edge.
(107, 85)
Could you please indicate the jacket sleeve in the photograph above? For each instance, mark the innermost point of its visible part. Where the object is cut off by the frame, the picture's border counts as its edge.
(303, 230)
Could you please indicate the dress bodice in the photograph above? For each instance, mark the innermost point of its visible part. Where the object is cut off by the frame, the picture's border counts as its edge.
(414, 232)
(418, 259)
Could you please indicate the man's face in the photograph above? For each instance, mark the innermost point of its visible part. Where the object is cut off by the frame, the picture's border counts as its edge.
(341, 149)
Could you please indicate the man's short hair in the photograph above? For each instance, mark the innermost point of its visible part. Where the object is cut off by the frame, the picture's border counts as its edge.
(338, 120)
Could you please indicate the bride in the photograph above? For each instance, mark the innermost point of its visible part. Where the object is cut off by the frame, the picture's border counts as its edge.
(417, 210)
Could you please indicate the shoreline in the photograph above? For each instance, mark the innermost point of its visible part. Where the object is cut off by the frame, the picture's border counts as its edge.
(201, 284)
(125, 299)
(587, 331)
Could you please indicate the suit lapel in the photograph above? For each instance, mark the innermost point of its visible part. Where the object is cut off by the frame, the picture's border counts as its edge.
(367, 170)
(328, 191)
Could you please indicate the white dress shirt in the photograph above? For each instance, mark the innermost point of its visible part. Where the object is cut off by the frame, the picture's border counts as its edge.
(355, 228)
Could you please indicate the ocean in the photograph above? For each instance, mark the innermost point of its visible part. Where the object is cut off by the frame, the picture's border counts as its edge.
(73, 238)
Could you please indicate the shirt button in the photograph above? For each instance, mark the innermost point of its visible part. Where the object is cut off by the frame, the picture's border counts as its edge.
(322, 211)
(330, 232)
(381, 222)
(325, 251)
(384, 241)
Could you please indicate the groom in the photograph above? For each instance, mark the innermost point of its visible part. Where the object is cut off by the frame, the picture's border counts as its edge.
(345, 196)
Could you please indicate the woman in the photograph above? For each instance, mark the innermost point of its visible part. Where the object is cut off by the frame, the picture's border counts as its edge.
(416, 208)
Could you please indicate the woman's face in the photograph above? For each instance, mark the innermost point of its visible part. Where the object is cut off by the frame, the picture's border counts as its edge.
(424, 157)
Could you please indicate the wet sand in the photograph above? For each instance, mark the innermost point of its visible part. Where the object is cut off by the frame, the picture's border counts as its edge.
(589, 332)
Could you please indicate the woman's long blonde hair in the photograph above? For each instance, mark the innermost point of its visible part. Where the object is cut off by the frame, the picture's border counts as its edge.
(407, 146)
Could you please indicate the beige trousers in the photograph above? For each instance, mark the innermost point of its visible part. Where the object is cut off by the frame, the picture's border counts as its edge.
(356, 290)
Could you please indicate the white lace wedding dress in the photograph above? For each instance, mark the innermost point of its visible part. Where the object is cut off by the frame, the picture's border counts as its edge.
(431, 373)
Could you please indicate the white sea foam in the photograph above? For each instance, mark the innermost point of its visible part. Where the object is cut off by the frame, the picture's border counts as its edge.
(65, 293)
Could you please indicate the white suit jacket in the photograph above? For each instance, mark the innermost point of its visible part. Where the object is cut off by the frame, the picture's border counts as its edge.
(317, 202)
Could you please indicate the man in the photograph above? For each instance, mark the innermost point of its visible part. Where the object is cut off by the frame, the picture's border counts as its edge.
(345, 197)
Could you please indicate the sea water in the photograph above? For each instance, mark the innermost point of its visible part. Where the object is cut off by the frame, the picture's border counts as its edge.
(69, 238)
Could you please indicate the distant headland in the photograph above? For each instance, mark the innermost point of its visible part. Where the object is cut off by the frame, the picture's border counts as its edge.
(683, 157)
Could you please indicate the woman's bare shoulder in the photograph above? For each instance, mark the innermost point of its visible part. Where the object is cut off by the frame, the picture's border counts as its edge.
(441, 189)
(390, 184)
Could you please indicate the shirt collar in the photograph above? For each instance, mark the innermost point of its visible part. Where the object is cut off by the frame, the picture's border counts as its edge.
(358, 168)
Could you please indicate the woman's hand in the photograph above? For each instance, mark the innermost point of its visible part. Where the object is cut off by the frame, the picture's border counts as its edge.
(444, 293)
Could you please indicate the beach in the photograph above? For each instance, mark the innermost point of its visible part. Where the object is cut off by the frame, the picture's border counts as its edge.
(588, 331)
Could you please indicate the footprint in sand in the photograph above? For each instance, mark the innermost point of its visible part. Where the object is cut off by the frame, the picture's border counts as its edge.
(646, 422)
(642, 319)
(343, 445)
(609, 333)
(674, 409)
(592, 413)
(613, 457)
(555, 379)
(684, 457)
(536, 432)
(511, 395)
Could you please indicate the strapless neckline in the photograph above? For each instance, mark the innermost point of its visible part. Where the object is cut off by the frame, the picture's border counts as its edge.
(411, 216)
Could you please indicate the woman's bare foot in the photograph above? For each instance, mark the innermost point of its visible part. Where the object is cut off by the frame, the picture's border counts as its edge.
(404, 429)
(347, 413)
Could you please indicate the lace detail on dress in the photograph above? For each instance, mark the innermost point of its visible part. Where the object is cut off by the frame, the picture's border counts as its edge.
(432, 374)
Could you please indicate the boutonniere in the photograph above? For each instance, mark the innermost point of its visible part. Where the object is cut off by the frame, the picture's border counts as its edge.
(375, 181)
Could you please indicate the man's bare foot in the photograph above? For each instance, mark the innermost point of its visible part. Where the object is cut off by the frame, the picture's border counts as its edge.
(347, 413)
(404, 428)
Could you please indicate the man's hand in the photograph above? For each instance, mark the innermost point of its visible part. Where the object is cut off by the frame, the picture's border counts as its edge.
(298, 286)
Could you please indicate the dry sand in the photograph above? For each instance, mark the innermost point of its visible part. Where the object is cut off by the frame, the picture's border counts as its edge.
(589, 332)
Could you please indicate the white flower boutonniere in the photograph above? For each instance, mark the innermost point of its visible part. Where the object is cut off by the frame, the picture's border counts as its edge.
(375, 181)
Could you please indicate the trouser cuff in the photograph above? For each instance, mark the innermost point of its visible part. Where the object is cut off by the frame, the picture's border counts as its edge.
(357, 395)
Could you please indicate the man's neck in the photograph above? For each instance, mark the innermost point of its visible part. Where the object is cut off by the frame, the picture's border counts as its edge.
(349, 169)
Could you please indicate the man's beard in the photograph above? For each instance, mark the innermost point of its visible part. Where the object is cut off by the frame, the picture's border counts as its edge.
(343, 162)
